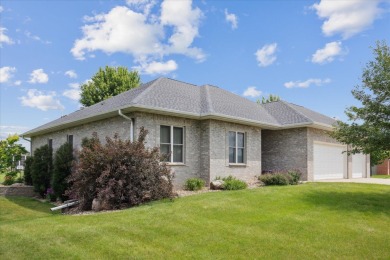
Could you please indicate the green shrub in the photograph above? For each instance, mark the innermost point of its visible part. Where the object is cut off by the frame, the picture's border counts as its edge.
(62, 168)
(27, 170)
(118, 174)
(295, 177)
(41, 169)
(8, 180)
(275, 179)
(194, 184)
(19, 179)
(232, 183)
(281, 178)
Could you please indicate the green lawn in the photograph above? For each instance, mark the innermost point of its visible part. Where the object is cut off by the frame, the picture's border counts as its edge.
(381, 176)
(315, 220)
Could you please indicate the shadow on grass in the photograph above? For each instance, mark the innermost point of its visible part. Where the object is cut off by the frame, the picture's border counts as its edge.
(32, 204)
(374, 202)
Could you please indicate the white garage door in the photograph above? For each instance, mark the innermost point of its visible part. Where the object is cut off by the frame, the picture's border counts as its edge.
(328, 161)
(358, 161)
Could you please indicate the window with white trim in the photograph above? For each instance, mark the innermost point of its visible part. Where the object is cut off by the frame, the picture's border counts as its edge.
(236, 147)
(172, 142)
(70, 140)
(50, 144)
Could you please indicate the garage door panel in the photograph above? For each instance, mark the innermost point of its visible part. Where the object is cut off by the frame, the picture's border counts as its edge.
(358, 161)
(328, 161)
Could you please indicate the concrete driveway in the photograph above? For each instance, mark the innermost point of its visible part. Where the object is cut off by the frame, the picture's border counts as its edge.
(361, 180)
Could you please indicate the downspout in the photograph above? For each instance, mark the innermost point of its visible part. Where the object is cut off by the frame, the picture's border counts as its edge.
(29, 142)
(131, 124)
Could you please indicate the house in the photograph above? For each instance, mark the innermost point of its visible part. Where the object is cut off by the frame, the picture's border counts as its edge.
(382, 169)
(212, 132)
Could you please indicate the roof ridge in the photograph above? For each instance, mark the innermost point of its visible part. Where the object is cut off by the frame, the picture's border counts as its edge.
(208, 99)
(296, 111)
(147, 89)
(313, 111)
(178, 81)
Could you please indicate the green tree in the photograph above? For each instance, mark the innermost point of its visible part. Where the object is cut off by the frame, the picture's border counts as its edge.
(270, 98)
(108, 82)
(369, 128)
(27, 170)
(63, 160)
(10, 152)
(41, 169)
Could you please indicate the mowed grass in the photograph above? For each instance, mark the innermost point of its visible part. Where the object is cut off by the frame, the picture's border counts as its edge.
(315, 220)
(381, 176)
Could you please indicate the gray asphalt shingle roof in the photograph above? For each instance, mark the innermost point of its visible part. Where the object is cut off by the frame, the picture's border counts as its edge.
(169, 95)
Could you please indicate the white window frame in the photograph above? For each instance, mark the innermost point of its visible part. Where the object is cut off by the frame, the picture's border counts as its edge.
(171, 144)
(236, 148)
(68, 139)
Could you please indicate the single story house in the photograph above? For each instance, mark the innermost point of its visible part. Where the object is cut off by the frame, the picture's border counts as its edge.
(212, 132)
(382, 169)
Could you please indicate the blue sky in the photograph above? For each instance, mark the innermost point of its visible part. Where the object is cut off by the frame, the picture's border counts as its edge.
(310, 53)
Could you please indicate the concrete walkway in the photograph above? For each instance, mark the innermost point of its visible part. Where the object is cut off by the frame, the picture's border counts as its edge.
(361, 180)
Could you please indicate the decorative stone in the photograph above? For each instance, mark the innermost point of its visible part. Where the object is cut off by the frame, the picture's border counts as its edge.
(216, 185)
(96, 205)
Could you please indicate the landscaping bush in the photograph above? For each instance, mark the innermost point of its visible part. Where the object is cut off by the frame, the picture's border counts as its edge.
(62, 168)
(118, 174)
(9, 178)
(295, 177)
(27, 170)
(232, 183)
(274, 179)
(281, 178)
(41, 169)
(194, 184)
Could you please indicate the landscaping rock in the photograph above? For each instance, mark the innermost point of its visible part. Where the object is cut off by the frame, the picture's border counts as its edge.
(216, 185)
(96, 205)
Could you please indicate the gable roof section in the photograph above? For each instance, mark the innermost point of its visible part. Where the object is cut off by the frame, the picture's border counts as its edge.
(290, 114)
(167, 96)
(223, 102)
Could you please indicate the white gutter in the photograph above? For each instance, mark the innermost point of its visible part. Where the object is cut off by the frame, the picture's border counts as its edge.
(29, 142)
(131, 124)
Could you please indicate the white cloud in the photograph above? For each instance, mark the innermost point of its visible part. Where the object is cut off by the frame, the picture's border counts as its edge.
(185, 22)
(72, 93)
(1, 9)
(6, 73)
(120, 30)
(266, 55)
(38, 76)
(251, 92)
(155, 67)
(347, 17)
(306, 83)
(18, 83)
(6, 130)
(71, 74)
(144, 36)
(232, 19)
(36, 38)
(40, 100)
(143, 5)
(4, 38)
(328, 53)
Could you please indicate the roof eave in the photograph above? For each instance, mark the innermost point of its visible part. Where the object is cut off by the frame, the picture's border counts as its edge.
(177, 113)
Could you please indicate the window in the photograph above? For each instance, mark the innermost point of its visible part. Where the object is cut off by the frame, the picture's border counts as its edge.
(172, 142)
(236, 147)
(70, 140)
(50, 144)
